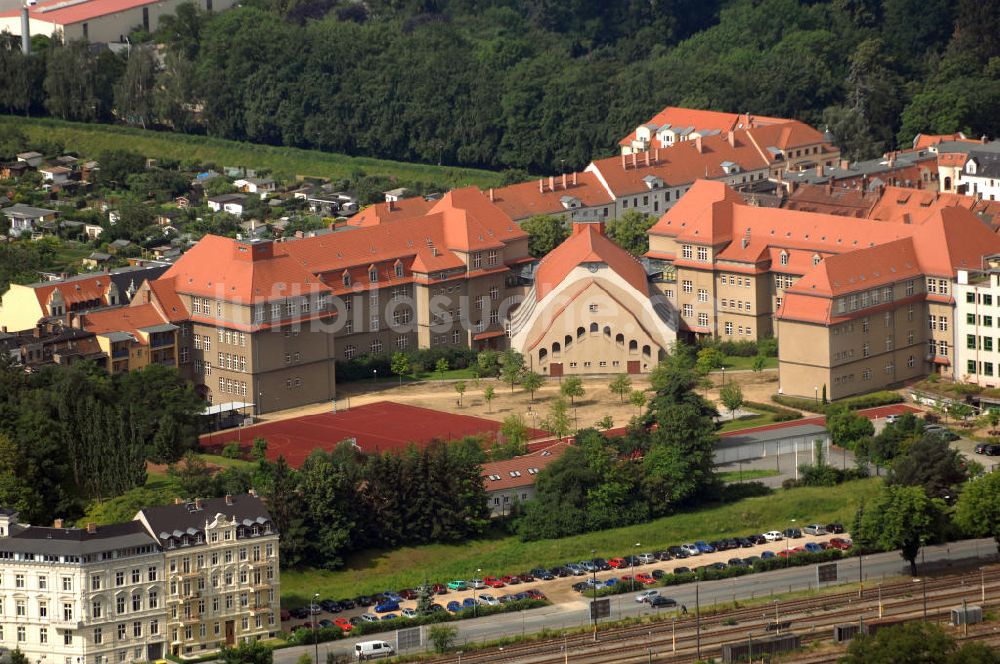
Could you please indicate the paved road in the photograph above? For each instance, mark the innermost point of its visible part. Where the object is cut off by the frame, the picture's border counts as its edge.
(875, 568)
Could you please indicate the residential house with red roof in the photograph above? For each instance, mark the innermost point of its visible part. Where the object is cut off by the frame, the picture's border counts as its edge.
(513, 480)
(674, 125)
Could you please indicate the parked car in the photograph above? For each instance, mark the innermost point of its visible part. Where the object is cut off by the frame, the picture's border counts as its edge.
(439, 589)
(766, 555)
(744, 542)
(386, 606)
(613, 581)
(408, 613)
(617, 563)
(561, 572)
(363, 600)
(736, 562)
(644, 578)
(468, 603)
(774, 536)
(299, 613)
(993, 450)
(793, 533)
(581, 586)
(477, 584)
(344, 624)
(681, 570)
(435, 608)
(523, 595)
(646, 595)
(661, 602)
(527, 577)
(325, 623)
(493, 582)
(662, 555)
(368, 617)
(542, 573)
(408, 593)
(504, 599)
(980, 448)
(718, 545)
(690, 549)
(346, 604)
(677, 552)
(285, 615)
(454, 606)
(841, 543)
(488, 600)
(646, 558)
(704, 547)
(814, 529)
(458, 584)
(757, 538)
(510, 579)
(657, 574)
(602, 564)
(835, 528)
(389, 616)
(330, 605)
(812, 547)
(750, 560)
(534, 593)
(575, 569)
(718, 565)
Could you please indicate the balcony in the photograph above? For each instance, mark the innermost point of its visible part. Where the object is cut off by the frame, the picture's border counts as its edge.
(118, 353)
(157, 341)
(167, 362)
(191, 619)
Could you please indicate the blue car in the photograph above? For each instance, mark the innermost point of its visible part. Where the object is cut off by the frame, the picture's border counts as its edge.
(392, 596)
(520, 596)
(454, 606)
(767, 555)
(704, 547)
(813, 547)
(468, 603)
(386, 606)
(389, 616)
(610, 582)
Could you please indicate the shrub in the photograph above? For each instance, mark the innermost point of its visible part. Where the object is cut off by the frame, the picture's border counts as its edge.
(780, 414)
(443, 637)
(860, 402)
(732, 493)
(232, 451)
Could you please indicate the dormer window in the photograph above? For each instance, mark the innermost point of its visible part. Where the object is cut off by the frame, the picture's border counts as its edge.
(399, 269)
(346, 278)
(372, 274)
(784, 258)
(816, 260)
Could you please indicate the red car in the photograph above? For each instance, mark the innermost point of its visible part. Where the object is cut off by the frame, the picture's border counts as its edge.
(535, 594)
(644, 578)
(526, 577)
(841, 543)
(625, 577)
(343, 623)
(785, 554)
(408, 593)
(493, 582)
(439, 589)
(510, 580)
(616, 563)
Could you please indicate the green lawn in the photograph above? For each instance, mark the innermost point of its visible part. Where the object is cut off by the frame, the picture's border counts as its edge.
(738, 363)
(375, 571)
(91, 139)
(746, 475)
(760, 419)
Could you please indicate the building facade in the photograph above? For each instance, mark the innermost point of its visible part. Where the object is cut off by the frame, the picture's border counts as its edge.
(977, 319)
(221, 577)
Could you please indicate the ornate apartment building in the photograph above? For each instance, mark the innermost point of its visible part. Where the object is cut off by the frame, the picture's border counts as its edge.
(91, 595)
(221, 572)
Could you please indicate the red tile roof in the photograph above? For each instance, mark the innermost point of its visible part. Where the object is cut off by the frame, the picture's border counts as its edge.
(521, 470)
(703, 120)
(380, 213)
(897, 202)
(587, 244)
(123, 319)
(928, 140)
(524, 200)
(75, 290)
(61, 12)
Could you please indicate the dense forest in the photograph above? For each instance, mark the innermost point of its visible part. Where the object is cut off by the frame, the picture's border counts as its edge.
(537, 85)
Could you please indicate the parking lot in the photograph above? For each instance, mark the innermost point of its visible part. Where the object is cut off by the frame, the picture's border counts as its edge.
(560, 590)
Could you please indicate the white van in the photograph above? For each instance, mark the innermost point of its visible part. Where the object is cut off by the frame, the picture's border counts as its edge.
(373, 650)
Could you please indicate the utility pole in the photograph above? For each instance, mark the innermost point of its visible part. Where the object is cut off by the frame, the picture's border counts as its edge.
(697, 620)
(26, 27)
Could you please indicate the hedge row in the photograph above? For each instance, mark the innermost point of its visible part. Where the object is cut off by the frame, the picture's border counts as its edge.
(780, 414)
(800, 559)
(360, 368)
(767, 346)
(871, 400)
(323, 634)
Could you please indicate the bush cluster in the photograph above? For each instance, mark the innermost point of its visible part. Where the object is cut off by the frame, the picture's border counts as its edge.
(860, 402)
(711, 574)
(780, 414)
(360, 368)
(767, 346)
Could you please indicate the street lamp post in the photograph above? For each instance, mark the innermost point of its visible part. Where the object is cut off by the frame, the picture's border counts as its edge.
(697, 620)
(633, 565)
(374, 375)
(786, 542)
(593, 590)
(475, 593)
(923, 574)
(816, 394)
(315, 622)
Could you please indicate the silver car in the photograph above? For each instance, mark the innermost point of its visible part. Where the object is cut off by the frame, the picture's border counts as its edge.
(814, 529)
(690, 549)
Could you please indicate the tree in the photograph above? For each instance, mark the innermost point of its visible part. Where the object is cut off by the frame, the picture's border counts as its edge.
(638, 399)
(759, 362)
(621, 385)
(488, 362)
(572, 387)
(248, 652)
(511, 367)
(17, 657)
(978, 509)
(900, 517)
(488, 395)
(531, 381)
(916, 642)
(232, 450)
(846, 427)
(441, 366)
(605, 423)
(545, 233)
(557, 420)
(460, 388)
(514, 435)
(709, 359)
(630, 231)
(443, 637)
(258, 451)
(400, 365)
(304, 658)
(193, 476)
(931, 463)
(731, 396)
(134, 93)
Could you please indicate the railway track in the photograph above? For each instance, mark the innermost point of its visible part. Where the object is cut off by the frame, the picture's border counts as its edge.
(669, 641)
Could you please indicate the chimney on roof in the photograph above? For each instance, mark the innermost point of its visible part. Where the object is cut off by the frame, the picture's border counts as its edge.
(552, 183)
(91, 527)
(697, 144)
(819, 170)
(581, 226)
(392, 205)
(229, 499)
(492, 196)
(623, 161)
(541, 184)
(647, 157)
(906, 218)
(829, 186)
(58, 523)
(892, 159)
(564, 181)
(845, 164)
(574, 178)
(656, 155)
(731, 139)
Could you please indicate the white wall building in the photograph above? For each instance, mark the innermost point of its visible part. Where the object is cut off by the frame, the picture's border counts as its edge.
(981, 175)
(977, 324)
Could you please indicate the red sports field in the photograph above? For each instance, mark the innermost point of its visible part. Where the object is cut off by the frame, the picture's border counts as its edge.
(384, 426)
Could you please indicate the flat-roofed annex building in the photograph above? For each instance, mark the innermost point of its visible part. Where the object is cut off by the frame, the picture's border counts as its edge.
(89, 595)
